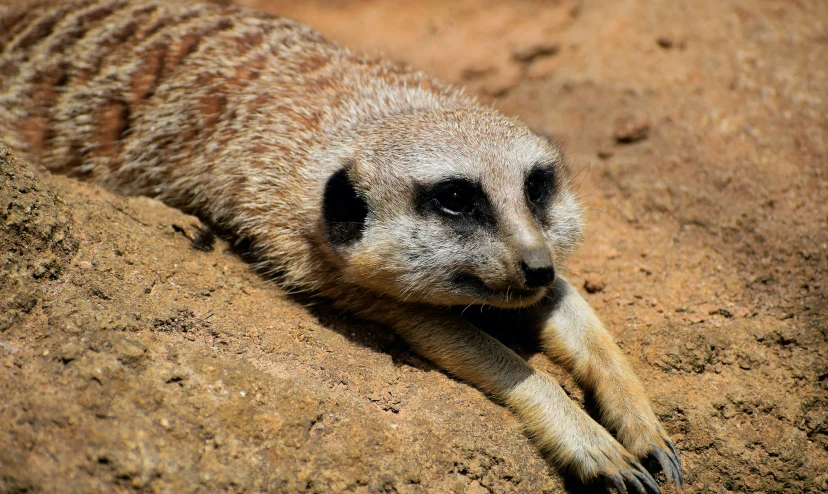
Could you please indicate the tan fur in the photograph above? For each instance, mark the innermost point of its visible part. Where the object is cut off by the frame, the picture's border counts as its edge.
(244, 119)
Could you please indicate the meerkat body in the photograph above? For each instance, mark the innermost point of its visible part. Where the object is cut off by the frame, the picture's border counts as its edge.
(390, 193)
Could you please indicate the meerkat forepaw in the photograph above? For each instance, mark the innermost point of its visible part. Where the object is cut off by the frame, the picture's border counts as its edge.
(616, 468)
(648, 442)
(661, 456)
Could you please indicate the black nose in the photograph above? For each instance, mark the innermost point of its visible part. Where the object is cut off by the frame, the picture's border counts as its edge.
(538, 277)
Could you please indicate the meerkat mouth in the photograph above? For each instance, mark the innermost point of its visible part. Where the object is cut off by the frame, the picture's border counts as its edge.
(510, 295)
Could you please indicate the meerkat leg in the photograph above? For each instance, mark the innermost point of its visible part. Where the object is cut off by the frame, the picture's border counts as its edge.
(558, 426)
(572, 334)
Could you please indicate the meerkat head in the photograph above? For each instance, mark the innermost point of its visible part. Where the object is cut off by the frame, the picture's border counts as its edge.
(451, 207)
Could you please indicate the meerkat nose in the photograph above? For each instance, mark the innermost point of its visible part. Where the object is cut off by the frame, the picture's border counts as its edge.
(538, 277)
(537, 268)
(535, 260)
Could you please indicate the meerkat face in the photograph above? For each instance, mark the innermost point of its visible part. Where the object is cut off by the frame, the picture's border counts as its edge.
(452, 208)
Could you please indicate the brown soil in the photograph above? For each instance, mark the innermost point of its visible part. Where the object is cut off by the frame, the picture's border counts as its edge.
(130, 361)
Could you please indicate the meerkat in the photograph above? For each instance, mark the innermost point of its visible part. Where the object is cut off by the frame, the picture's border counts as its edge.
(396, 196)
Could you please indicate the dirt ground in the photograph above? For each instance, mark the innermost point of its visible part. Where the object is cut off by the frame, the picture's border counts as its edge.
(130, 361)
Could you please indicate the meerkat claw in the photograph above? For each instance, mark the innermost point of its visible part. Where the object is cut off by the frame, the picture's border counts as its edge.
(640, 482)
(648, 479)
(668, 462)
(617, 482)
(632, 479)
(676, 459)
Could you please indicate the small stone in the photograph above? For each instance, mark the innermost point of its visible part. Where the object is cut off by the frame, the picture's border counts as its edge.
(70, 352)
(476, 488)
(630, 128)
(740, 312)
(542, 68)
(672, 39)
(537, 49)
(594, 284)
(128, 350)
(708, 309)
(725, 313)
(695, 318)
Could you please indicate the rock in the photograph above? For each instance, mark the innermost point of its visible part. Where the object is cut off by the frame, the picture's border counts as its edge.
(631, 128)
(604, 154)
(593, 283)
(538, 48)
(672, 39)
(36, 240)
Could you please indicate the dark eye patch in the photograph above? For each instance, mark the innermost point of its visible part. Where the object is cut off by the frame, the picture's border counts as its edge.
(343, 209)
(460, 201)
(540, 186)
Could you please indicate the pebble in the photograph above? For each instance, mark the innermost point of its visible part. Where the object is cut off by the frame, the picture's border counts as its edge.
(631, 128)
(605, 154)
(672, 39)
(537, 49)
(594, 283)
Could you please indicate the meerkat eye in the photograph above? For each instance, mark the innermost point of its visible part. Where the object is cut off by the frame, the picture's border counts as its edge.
(453, 199)
(458, 199)
(534, 189)
(539, 184)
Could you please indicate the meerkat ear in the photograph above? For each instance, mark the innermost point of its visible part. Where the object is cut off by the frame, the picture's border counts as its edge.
(343, 209)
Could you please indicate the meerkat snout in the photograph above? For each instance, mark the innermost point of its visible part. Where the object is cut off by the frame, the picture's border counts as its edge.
(533, 257)
(538, 276)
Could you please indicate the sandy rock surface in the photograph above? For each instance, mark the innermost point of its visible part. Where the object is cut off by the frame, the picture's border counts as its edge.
(131, 361)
